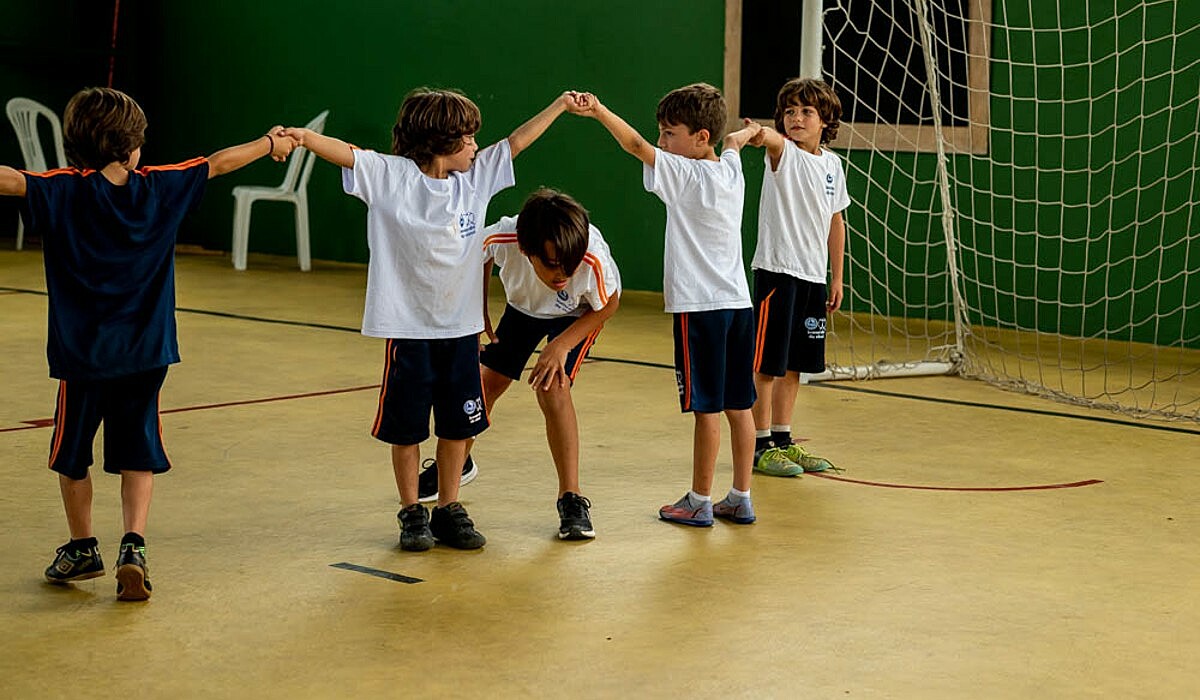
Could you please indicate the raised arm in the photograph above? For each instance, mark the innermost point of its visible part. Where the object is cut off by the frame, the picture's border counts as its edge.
(274, 143)
(551, 363)
(523, 136)
(335, 151)
(626, 135)
(12, 182)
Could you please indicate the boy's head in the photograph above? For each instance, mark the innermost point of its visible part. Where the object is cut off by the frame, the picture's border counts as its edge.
(552, 231)
(436, 123)
(798, 93)
(103, 126)
(691, 120)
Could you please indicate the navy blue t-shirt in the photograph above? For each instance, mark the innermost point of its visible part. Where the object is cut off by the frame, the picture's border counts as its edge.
(109, 252)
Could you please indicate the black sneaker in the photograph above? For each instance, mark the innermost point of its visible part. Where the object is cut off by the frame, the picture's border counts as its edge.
(574, 522)
(427, 482)
(133, 578)
(451, 525)
(72, 564)
(414, 528)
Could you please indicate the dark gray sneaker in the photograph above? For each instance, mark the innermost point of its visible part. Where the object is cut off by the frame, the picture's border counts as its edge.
(133, 578)
(414, 528)
(574, 520)
(452, 526)
(72, 564)
(427, 482)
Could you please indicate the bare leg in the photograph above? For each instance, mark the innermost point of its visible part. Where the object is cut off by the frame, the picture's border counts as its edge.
(405, 463)
(783, 403)
(77, 502)
(562, 432)
(494, 386)
(741, 432)
(764, 385)
(136, 489)
(706, 442)
(448, 452)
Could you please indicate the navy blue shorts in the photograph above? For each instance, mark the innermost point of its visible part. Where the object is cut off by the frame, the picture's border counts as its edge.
(714, 353)
(422, 375)
(519, 334)
(128, 407)
(790, 324)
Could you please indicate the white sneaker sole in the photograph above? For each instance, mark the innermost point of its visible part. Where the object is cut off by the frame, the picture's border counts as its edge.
(466, 479)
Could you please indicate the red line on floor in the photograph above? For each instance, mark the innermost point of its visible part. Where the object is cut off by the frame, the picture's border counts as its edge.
(1039, 487)
(49, 422)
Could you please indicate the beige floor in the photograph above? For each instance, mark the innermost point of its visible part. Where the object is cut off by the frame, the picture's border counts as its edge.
(842, 589)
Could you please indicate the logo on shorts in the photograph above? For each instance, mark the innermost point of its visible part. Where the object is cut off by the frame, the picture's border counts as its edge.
(679, 381)
(815, 328)
(473, 408)
(466, 224)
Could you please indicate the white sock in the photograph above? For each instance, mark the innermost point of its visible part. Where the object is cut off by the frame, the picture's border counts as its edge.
(736, 495)
(779, 429)
(762, 433)
(697, 498)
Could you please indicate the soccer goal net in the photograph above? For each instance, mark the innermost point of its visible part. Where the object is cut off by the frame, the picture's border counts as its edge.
(1025, 199)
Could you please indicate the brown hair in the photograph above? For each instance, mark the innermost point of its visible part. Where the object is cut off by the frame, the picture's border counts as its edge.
(696, 106)
(550, 215)
(102, 126)
(816, 93)
(432, 123)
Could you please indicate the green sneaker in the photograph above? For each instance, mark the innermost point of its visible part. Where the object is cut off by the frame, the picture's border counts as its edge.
(774, 462)
(808, 461)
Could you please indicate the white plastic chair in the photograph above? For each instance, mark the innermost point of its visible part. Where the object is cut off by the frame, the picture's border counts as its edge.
(294, 189)
(24, 113)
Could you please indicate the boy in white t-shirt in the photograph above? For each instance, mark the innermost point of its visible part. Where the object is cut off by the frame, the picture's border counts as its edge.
(704, 283)
(426, 208)
(800, 226)
(561, 284)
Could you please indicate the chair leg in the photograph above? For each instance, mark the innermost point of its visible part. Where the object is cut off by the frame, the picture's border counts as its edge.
(241, 232)
(302, 251)
(20, 232)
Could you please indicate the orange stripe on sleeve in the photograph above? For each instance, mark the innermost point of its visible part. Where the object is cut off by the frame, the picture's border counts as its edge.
(185, 165)
(59, 171)
(598, 273)
(500, 238)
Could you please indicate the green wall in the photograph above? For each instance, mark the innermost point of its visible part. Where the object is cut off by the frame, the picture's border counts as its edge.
(270, 62)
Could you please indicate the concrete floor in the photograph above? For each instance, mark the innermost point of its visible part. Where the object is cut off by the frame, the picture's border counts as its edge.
(861, 586)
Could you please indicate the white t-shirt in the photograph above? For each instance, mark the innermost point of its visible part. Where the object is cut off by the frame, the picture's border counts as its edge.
(702, 258)
(425, 237)
(797, 204)
(590, 286)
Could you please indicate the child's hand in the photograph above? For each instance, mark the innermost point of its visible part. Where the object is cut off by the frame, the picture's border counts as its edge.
(296, 134)
(551, 367)
(585, 104)
(281, 144)
(757, 134)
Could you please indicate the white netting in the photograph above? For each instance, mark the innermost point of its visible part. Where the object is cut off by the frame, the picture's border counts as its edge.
(1044, 233)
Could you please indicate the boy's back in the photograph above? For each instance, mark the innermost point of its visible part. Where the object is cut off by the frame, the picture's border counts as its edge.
(109, 257)
(702, 265)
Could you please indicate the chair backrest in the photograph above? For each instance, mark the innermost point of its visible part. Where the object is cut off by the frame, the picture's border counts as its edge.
(302, 160)
(23, 113)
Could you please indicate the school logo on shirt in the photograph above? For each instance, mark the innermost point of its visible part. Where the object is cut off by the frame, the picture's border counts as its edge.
(473, 408)
(466, 224)
(562, 301)
(829, 184)
(815, 328)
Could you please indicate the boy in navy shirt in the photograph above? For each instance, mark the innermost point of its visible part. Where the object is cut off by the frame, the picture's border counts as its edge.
(108, 233)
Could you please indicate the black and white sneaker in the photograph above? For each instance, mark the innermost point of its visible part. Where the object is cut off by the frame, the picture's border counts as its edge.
(74, 564)
(415, 535)
(574, 519)
(452, 526)
(427, 482)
